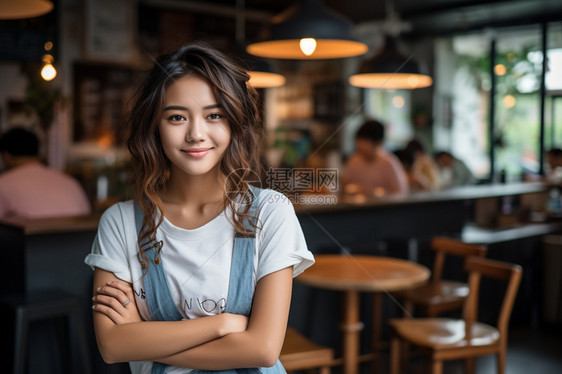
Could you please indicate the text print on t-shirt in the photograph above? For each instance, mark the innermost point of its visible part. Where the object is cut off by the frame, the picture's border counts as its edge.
(207, 305)
(140, 294)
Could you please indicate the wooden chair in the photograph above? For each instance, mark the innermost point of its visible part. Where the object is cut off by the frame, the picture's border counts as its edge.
(447, 339)
(299, 353)
(440, 295)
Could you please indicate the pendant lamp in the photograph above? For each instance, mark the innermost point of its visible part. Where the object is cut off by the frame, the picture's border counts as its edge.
(308, 30)
(390, 69)
(262, 75)
(20, 9)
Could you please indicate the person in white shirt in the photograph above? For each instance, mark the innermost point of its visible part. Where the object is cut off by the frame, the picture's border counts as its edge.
(172, 292)
(30, 189)
(453, 171)
(372, 169)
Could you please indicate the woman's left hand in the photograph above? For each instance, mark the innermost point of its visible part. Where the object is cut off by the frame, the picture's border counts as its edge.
(117, 301)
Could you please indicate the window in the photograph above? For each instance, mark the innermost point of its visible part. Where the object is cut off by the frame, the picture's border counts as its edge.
(462, 98)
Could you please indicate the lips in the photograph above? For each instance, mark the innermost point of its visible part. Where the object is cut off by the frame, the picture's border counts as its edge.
(197, 152)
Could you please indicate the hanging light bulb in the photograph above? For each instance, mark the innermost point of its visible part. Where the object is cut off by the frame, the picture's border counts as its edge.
(308, 46)
(308, 30)
(48, 72)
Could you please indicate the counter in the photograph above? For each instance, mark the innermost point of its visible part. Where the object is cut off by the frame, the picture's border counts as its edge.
(450, 195)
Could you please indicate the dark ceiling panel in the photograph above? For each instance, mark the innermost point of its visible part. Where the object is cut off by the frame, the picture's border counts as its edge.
(429, 17)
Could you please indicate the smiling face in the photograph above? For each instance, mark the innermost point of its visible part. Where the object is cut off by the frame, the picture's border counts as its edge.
(193, 129)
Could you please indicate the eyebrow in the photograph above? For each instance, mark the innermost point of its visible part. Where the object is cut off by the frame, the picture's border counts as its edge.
(179, 107)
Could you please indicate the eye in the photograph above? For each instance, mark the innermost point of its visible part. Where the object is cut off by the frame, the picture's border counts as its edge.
(215, 116)
(176, 118)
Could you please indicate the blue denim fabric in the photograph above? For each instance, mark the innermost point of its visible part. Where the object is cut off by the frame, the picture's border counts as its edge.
(240, 289)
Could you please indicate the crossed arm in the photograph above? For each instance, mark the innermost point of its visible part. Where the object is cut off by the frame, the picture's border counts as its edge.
(218, 342)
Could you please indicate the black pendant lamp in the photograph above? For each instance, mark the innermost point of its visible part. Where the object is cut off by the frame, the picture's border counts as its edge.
(390, 69)
(262, 74)
(308, 30)
(20, 9)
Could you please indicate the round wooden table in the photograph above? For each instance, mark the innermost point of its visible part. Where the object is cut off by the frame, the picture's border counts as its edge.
(354, 274)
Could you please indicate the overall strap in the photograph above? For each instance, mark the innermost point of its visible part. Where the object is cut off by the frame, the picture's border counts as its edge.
(241, 281)
(158, 296)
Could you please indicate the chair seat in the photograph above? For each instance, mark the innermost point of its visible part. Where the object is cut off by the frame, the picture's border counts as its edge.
(300, 353)
(443, 292)
(444, 332)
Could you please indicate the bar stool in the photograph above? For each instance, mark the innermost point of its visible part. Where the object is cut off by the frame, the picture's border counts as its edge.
(28, 308)
(299, 353)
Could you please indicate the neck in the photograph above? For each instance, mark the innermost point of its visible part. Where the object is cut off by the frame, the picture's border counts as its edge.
(21, 161)
(195, 190)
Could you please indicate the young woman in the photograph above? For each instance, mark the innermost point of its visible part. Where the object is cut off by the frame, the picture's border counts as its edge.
(178, 269)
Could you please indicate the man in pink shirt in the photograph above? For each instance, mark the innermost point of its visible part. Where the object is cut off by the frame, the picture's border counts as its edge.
(371, 169)
(29, 189)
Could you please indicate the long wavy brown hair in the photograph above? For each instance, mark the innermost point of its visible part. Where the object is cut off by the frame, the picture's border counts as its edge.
(150, 166)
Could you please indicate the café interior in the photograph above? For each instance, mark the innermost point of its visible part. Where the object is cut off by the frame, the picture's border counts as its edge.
(461, 273)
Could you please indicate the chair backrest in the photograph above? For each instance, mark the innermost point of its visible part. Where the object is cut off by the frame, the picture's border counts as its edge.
(448, 246)
(503, 271)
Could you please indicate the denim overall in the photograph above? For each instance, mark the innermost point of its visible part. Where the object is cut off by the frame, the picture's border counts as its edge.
(240, 289)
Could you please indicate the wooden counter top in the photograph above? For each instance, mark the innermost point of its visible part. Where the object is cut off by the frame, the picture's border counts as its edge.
(54, 225)
(452, 194)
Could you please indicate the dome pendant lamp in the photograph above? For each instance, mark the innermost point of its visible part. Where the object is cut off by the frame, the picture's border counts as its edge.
(20, 9)
(391, 70)
(308, 30)
(262, 75)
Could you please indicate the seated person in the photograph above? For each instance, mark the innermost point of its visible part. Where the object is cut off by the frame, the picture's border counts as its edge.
(29, 189)
(416, 180)
(453, 171)
(371, 168)
(424, 164)
(554, 163)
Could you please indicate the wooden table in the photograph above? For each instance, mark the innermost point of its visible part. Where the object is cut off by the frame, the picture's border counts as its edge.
(355, 274)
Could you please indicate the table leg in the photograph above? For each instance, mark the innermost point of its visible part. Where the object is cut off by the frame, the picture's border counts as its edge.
(351, 329)
(376, 337)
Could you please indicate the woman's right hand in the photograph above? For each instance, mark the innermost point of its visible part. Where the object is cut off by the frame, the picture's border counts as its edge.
(232, 323)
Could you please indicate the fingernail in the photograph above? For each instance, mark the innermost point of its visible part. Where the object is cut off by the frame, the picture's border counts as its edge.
(94, 306)
(110, 282)
(94, 298)
(98, 289)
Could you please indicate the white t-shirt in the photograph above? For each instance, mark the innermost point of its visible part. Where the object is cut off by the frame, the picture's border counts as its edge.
(197, 262)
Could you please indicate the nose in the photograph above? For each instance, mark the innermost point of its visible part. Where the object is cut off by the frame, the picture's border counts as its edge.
(196, 130)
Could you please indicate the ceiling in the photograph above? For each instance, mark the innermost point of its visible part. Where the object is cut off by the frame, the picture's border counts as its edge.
(427, 17)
